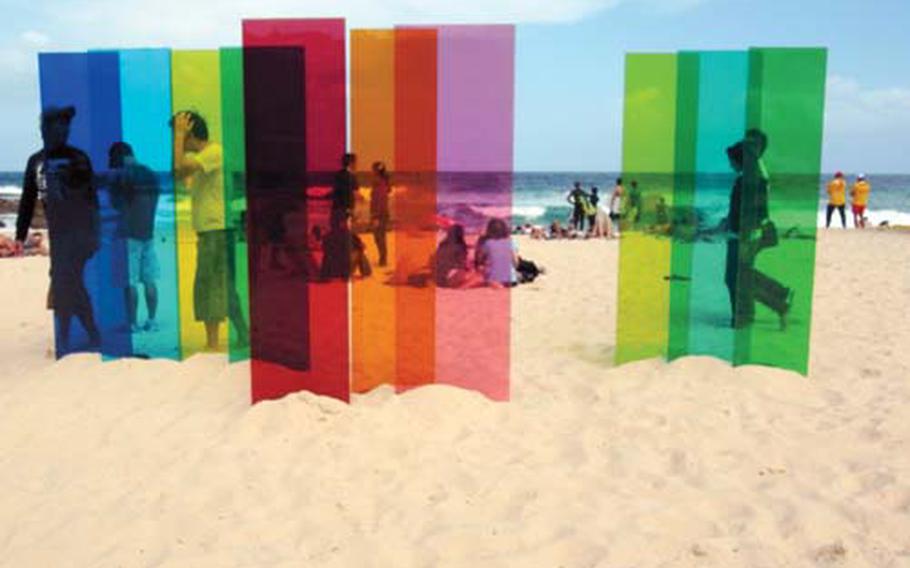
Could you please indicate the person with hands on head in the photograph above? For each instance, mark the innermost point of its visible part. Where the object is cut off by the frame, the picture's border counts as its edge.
(199, 166)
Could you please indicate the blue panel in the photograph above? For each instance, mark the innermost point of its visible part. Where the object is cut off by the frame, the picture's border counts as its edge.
(145, 89)
(106, 272)
(64, 81)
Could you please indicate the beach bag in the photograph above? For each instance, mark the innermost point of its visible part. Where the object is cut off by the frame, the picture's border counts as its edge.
(768, 235)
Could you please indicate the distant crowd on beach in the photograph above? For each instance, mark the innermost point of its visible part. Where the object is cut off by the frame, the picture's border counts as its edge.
(589, 219)
(837, 200)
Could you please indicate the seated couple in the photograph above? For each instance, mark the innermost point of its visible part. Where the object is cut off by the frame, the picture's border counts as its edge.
(496, 260)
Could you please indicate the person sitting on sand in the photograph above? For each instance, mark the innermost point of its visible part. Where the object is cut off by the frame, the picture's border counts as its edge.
(342, 251)
(497, 255)
(860, 196)
(34, 245)
(556, 230)
(450, 263)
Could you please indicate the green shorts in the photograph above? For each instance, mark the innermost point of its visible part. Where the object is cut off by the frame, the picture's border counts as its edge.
(210, 298)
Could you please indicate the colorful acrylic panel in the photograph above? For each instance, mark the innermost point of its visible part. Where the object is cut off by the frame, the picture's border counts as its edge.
(62, 178)
(648, 158)
(145, 195)
(724, 266)
(474, 198)
(414, 208)
(310, 229)
(373, 312)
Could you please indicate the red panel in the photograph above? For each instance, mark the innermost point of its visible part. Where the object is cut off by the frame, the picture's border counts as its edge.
(415, 204)
(325, 306)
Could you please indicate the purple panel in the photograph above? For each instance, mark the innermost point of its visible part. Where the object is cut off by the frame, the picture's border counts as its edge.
(476, 98)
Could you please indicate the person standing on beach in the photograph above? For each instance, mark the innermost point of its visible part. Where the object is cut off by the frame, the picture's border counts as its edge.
(134, 194)
(61, 177)
(616, 208)
(344, 186)
(837, 199)
(379, 209)
(593, 200)
(199, 165)
(859, 194)
(577, 198)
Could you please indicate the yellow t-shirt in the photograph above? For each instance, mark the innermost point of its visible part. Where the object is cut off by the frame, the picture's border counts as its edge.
(837, 192)
(860, 193)
(207, 189)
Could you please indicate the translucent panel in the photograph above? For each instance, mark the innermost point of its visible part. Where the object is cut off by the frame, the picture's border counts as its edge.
(475, 143)
(721, 115)
(313, 355)
(683, 221)
(202, 237)
(373, 314)
(779, 204)
(414, 207)
(649, 154)
(232, 109)
(63, 178)
(146, 197)
(740, 227)
(108, 268)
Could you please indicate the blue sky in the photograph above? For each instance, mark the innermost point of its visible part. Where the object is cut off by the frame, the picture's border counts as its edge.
(569, 59)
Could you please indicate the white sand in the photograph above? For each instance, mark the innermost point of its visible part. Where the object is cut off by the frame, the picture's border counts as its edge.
(137, 463)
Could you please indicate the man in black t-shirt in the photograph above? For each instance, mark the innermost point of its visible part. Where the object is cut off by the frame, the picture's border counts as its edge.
(60, 176)
(344, 186)
(134, 193)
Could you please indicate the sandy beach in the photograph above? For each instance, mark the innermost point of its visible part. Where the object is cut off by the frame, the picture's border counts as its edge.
(694, 463)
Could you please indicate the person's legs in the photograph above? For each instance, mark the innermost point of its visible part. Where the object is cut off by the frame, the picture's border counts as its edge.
(83, 306)
(828, 212)
(151, 299)
(210, 285)
(132, 304)
(843, 216)
(211, 335)
(379, 235)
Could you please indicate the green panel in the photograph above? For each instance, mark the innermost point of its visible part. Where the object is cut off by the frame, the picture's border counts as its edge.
(235, 194)
(683, 219)
(786, 103)
(649, 130)
(723, 86)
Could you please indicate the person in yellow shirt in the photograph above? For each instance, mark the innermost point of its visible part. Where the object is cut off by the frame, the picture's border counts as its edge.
(837, 199)
(860, 196)
(199, 165)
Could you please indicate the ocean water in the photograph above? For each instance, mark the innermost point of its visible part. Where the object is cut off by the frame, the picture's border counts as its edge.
(540, 197)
